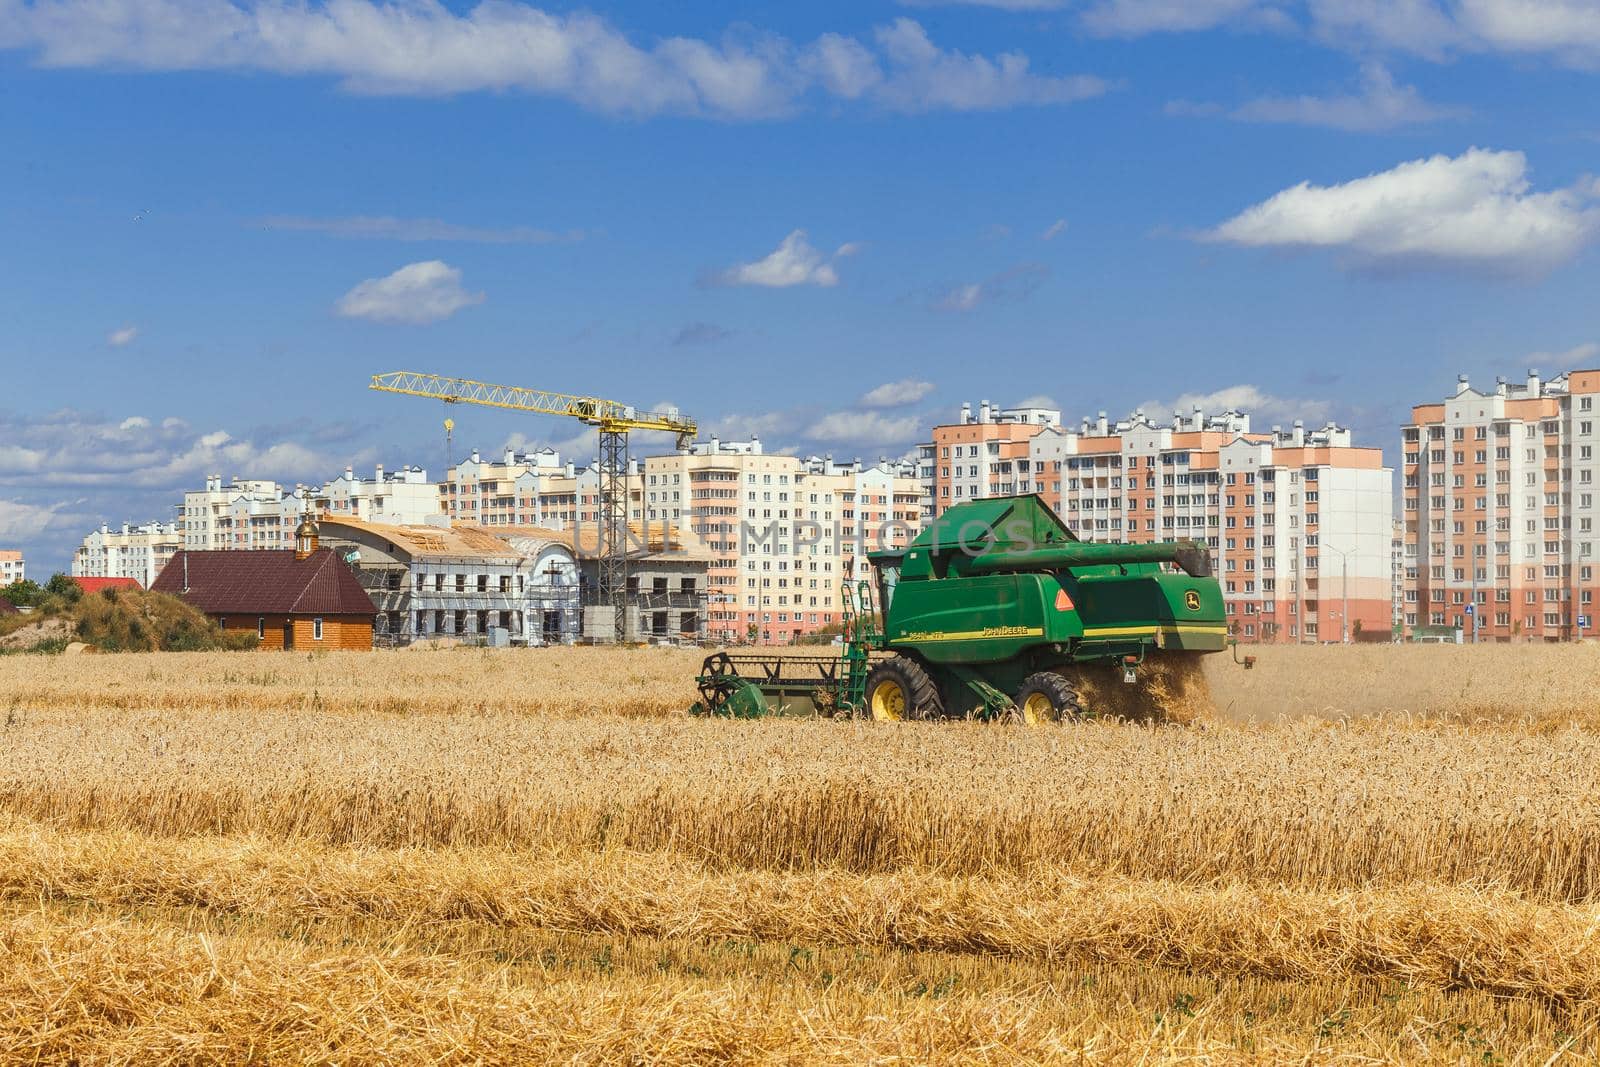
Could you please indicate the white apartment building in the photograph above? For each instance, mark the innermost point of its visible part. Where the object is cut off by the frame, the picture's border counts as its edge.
(402, 498)
(519, 489)
(784, 532)
(137, 552)
(979, 455)
(1502, 510)
(241, 515)
(12, 566)
(1300, 522)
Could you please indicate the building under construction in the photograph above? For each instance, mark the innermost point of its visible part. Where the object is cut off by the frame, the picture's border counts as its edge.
(462, 582)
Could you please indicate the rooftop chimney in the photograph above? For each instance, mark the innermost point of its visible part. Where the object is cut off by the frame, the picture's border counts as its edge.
(377, 473)
(1533, 382)
(1500, 387)
(966, 413)
(1462, 385)
(475, 456)
(1102, 427)
(1299, 431)
(983, 411)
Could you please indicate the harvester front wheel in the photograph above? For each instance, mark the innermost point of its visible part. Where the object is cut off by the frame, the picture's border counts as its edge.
(901, 688)
(1047, 697)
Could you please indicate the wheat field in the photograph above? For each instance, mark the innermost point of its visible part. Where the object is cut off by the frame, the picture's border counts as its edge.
(1368, 855)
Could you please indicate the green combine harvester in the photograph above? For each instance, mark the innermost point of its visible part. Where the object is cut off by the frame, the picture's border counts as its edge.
(995, 611)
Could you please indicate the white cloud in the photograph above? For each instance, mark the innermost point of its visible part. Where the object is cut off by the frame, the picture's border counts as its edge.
(1568, 30)
(897, 394)
(922, 77)
(1015, 284)
(1264, 408)
(124, 336)
(24, 523)
(1132, 18)
(1381, 104)
(417, 293)
(866, 428)
(1576, 356)
(1474, 211)
(1054, 230)
(386, 227)
(1002, 5)
(74, 449)
(1037, 400)
(701, 333)
(793, 262)
(423, 47)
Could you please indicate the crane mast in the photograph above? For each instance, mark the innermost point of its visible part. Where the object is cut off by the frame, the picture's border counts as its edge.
(612, 419)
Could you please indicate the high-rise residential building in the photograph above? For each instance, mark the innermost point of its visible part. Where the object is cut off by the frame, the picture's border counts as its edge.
(520, 489)
(784, 532)
(403, 498)
(137, 552)
(250, 514)
(980, 456)
(1500, 510)
(1300, 522)
(13, 568)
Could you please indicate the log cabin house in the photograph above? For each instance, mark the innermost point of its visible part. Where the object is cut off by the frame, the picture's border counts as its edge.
(302, 599)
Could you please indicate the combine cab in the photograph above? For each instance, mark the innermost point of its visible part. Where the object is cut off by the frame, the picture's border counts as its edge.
(997, 610)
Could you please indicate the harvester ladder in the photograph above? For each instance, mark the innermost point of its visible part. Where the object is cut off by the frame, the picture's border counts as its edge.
(860, 638)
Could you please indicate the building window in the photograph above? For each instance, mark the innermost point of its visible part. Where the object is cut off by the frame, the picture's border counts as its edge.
(261, 626)
(316, 629)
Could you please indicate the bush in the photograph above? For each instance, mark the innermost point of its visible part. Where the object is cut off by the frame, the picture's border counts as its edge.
(24, 594)
(61, 585)
(137, 621)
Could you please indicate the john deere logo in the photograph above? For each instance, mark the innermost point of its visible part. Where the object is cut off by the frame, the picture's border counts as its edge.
(1191, 600)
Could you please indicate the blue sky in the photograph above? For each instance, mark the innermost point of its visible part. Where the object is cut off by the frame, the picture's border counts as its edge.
(218, 219)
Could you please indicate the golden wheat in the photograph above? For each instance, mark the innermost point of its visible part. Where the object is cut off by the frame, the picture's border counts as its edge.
(1303, 805)
(476, 856)
(119, 991)
(1546, 685)
(1427, 935)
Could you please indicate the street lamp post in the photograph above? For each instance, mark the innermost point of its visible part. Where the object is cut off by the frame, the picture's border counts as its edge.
(1344, 590)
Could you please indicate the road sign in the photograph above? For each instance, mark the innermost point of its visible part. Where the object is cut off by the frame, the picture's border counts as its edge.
(1583, 622)
(1472, 609)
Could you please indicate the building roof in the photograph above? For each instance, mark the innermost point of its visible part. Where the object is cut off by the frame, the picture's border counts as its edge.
(457, 541)
(650, 539)
(94, 585)
(265, 582)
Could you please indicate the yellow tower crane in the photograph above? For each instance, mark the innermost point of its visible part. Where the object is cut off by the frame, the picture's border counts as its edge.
(612, 419)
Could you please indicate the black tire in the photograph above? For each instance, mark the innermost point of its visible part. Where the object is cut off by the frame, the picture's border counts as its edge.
(919, 697)
(1047, 697)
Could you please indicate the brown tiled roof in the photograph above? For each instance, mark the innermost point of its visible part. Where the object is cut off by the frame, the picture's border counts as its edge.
(268, 582)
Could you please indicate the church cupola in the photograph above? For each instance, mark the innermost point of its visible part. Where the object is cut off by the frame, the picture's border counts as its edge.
(305, 538)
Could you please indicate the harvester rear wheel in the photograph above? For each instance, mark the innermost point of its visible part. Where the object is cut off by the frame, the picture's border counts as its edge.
(901, 688)
(1047, 697)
